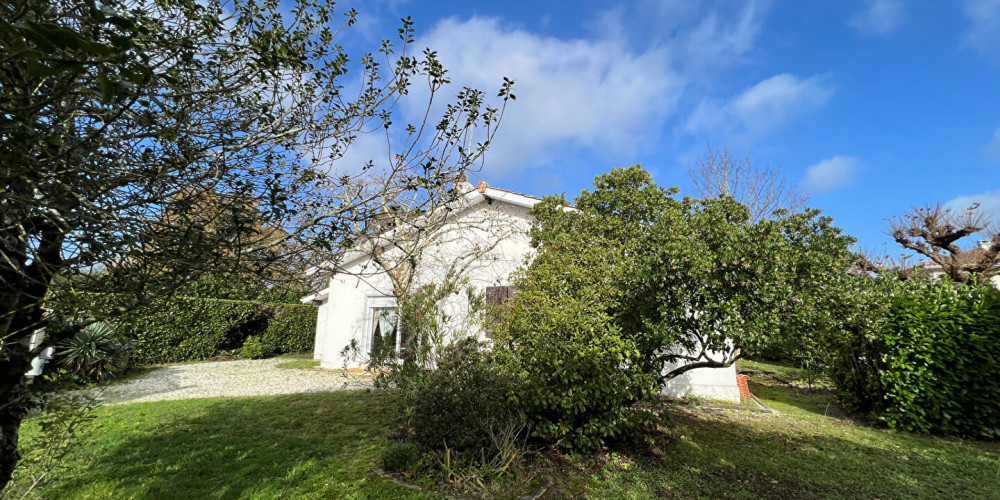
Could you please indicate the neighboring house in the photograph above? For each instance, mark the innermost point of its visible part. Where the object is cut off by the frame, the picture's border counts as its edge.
(490, 227)
(973, 255)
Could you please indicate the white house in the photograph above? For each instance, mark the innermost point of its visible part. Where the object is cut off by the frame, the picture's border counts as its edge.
(485, 236)
(975, 255)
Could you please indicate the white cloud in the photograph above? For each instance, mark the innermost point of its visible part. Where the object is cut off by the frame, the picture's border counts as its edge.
(983, 33)
(993, 147)
(698, 35)
(880, 17)
(763, 107)
(832, 173)
(719, 40)
(596, 95)
(989, 203)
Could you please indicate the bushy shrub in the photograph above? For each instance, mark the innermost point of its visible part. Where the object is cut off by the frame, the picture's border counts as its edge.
(465, 404)
(255, 348)
(942, 369)
(399, 457)
(922, 356)
(579, 378)
(93, 352)
(291, 328)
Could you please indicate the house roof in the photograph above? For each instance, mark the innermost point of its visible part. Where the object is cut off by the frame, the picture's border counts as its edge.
(482, 192)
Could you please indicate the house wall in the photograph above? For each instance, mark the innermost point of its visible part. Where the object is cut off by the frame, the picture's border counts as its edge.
(344, 314)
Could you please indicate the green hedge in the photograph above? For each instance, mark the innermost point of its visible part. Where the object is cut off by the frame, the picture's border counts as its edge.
(942, 363)
(176, 329)
(931, 365)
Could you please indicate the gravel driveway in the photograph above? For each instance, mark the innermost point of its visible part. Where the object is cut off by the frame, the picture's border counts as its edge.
(256, 377)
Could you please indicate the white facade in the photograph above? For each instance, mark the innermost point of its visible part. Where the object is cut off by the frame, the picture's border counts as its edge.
(358, 301)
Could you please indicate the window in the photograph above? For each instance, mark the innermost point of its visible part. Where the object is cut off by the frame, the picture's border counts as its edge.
(383, 332)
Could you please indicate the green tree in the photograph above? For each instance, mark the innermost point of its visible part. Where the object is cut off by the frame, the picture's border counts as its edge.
(632, 286)
(119, 118)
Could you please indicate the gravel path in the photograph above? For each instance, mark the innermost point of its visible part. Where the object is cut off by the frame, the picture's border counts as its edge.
(257, 377)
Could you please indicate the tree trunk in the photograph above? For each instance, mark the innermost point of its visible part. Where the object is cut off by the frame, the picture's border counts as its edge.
(13, 407)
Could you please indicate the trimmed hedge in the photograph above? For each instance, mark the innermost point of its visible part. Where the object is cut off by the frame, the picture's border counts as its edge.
(942, 371)
(933, 365)
(176, 329)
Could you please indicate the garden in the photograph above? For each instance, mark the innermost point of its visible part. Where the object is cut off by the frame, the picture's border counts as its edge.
(322, 446)
(854, 365)
(177, 177)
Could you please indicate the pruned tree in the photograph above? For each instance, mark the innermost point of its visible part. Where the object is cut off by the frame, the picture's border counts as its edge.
(118, 118)
(935, 232)
(762, 189)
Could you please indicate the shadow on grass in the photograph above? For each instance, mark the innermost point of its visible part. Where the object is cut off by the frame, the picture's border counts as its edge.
(302, 446)
(744, 454)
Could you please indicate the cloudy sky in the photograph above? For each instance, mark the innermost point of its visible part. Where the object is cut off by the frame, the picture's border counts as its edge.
(872, 106)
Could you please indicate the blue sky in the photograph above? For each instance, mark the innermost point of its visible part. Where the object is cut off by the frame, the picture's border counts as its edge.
(872, 106)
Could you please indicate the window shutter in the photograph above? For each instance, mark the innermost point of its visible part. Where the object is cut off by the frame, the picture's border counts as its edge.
(495, 295)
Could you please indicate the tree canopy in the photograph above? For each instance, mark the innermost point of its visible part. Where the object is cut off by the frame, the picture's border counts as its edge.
(632, 286)
(121, 119)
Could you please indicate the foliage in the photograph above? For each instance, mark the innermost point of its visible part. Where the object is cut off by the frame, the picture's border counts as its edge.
(399, 457)
(60, 420)
(176, 329)
(465, 404)
(831, 303)
(918, 354)
(93, 353)
(848, 344)
(234, 287)
(631, 280)
(942, 368)
(291, 328)
(255, 348)
(147, 143)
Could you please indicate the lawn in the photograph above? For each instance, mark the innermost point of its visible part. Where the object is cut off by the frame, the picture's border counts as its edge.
(321, 445)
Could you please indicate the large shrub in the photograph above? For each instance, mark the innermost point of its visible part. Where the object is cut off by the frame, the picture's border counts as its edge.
(920, 355)
(942, 363)
(633, 279)
(465, 404)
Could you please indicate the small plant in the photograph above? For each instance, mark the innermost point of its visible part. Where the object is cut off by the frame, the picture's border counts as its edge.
(93, 352)
(399, 457)
(256, 348)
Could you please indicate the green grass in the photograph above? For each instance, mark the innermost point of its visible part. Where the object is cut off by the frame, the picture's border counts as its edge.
(809, 449)
(299, 446)
(320, 446)
(298, 364)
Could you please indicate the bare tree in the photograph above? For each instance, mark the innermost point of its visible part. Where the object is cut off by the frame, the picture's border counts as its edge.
(934, 232)
(763, 189)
